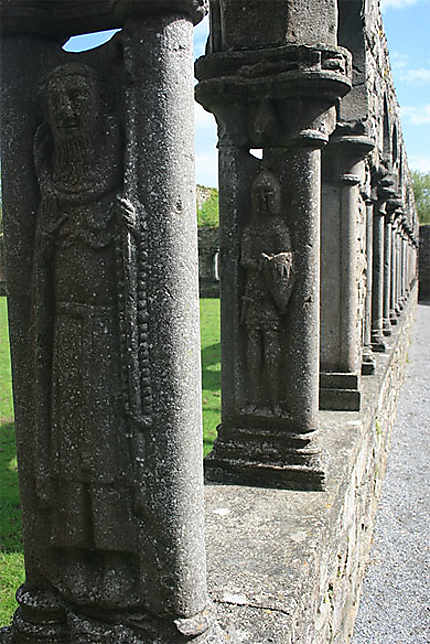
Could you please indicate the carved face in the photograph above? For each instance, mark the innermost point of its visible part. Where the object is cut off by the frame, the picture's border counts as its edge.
(266, 196)
(73, 105)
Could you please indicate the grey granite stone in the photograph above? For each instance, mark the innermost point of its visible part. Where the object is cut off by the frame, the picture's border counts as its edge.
(103, 300)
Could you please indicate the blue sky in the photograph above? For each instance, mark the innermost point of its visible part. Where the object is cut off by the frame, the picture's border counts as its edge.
(407, 25)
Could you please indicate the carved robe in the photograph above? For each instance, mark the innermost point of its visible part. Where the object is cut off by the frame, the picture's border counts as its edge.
(82, 436)
(264, 237)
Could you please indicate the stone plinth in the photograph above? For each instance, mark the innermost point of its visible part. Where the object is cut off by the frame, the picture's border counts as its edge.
(104, 322)
(287, 566)
(343, 171)
(278, 98)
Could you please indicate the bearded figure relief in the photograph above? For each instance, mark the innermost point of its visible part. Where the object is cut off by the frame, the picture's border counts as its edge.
(267, 257)
(86, 403)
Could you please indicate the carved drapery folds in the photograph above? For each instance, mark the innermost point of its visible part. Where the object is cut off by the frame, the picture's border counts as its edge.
(102, 253)
(276, 94)
(267, 258)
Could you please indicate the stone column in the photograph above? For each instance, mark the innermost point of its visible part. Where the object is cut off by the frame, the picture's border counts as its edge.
(369, 364)
(109, 415)
(389, 277)
(402, 266)
(394, 273)
(269, 226)
(378, 343)
(384, 192)
(341, 333)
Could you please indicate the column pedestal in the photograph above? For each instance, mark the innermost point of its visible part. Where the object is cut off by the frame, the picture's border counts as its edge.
(341, 334)
(270, 215)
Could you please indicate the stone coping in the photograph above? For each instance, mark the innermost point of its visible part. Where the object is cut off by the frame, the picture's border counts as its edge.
(58, 18)
(286, 566)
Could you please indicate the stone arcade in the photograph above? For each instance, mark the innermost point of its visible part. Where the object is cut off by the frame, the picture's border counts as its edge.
(318, 243)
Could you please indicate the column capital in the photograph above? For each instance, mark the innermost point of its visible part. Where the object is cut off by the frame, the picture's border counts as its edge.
(275, 96)
(60, 18)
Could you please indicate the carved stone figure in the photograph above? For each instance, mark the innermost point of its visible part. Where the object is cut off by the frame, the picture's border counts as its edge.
(267, 257)
(84, 480)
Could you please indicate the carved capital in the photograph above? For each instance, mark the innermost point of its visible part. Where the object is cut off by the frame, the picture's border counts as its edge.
(275, 96)
(70, 17)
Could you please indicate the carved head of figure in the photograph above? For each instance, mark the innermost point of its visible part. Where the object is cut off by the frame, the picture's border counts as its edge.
(73, 101)
(266, 194)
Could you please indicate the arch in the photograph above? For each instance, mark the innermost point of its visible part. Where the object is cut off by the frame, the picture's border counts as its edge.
(87, 42)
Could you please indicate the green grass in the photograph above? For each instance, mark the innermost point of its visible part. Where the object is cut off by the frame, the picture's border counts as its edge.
(11, 554)
(211, 369)
(11, 550)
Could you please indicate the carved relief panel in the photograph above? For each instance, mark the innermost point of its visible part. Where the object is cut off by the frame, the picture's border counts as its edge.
(268, 264)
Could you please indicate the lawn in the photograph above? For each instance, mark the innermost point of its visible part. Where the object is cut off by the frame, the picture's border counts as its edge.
(11, 552)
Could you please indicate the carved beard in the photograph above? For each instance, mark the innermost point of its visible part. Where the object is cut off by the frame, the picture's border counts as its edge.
(73, 159)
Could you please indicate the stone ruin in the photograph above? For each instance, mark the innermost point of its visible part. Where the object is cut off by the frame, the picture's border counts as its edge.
(424, 262)
(318, 243)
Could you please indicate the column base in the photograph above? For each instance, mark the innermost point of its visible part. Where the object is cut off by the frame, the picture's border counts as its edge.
(368, 366)
(340, 391)
(265, 457)
(386, 327)
(34, 621)
(378, 343)
(393, 318)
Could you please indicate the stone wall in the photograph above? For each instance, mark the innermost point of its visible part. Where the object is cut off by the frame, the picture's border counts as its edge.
(424, 261)
(208, 262)
(286, 566)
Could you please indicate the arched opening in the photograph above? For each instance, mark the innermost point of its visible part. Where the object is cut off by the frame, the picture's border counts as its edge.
(86, 42)
(256, 152)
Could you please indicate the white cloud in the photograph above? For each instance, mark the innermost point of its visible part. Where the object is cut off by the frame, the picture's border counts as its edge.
(416, 115)
(420, 75)
(396, 4)
(419, 163)
(399, 60)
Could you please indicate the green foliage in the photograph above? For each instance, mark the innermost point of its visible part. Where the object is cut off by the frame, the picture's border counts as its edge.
(11, 550)
(421, 184)
(208, 214)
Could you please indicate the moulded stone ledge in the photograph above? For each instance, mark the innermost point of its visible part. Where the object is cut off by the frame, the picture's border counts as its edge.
(72, 17)
(286, 566)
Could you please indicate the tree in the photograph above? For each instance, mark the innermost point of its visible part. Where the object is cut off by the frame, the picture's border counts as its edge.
(421, 185)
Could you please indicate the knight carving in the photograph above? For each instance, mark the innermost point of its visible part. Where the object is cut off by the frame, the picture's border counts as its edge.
(267, 257)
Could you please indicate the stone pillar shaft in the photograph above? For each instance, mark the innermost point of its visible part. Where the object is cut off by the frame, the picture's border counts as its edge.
(368, 366)
(341, 332)
(304, 311)
(394, 277)
(160, 175)
(378, 280)
(387, 275)
(133, 567)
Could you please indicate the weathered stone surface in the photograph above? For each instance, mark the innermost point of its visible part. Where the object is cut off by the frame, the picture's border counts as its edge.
(278, 98)
(209, 273)
(424, 262)
(287, 566)
(235, 26)
(63, 18)
(101, 239)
